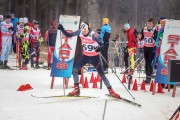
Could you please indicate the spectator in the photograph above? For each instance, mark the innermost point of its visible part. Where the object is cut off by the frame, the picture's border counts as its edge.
(105, 36)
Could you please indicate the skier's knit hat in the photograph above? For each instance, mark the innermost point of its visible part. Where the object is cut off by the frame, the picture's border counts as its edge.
(35, 22)
(53, 23)
(126, 26)
(21, 20)
(25, 19)
(105, 21)
(162, 18)
(1, 16)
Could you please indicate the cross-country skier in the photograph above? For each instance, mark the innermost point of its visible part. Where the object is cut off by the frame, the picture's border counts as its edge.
(50, 39)
(90, 41)
(7, 31)
(25, 45)
(149, 35)
(35, 40)
(20, 36)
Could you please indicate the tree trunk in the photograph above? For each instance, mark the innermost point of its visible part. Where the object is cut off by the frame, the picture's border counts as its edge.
(33, 9)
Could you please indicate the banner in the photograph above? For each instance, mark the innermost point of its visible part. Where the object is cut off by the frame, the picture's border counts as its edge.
(64, 51)
(170, 49)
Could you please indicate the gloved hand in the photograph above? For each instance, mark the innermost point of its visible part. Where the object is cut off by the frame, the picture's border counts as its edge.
(11, 29)
(123, 30)
(60, 27)
(41, 40)
(22, 36)
(98, 49)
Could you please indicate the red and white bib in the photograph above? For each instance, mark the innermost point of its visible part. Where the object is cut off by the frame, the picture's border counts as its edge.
(35, 34)
(140, 43)
(89, 45)
(148, 40)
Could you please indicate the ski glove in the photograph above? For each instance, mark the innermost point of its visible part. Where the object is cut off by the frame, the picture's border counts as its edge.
(41, 40)
(11, 29)
(98, 49)
(60, 27)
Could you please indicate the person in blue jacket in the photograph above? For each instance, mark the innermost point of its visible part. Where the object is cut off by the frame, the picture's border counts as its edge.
(14, 21)
(104, 36)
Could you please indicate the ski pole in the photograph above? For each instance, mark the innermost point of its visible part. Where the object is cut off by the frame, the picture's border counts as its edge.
(117, 76)
(63, 67)
(104, 110)
(138, 66)
(130, 66)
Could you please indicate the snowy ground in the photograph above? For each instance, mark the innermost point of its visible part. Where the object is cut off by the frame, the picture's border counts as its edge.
(16, 105)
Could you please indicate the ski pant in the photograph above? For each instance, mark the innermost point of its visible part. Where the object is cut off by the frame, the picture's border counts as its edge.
(149, 53)
(104, 52)
(50, 54)
(6, 47)
(95, 61)
(35, 52)
(14, 42)
(131, 52)
(18, 50)
(24, 52)
(126, 56)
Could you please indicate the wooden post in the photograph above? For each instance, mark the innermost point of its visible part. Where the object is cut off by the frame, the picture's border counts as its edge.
(169, 87)
(154, 89)
(66, 82)
(174, 91)
(52, 82)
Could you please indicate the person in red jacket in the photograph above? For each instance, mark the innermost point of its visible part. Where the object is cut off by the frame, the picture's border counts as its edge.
(131, 44)
(35, 41)
(50, 39)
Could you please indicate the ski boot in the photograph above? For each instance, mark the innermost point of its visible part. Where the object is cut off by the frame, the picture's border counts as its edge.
(148, 79)
(24, 67)
(131, 71)
(49, 66)
(76, 91)
(37, 65)
(32, 65)
(112, 93)
(1, 64)
(5, 65)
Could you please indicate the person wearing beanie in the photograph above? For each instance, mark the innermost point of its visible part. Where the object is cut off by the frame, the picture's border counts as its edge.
(14, 21)
(50, 39)
(90, 43)
(7, 31)
(35, 41)
(131, 46)
(105, 36)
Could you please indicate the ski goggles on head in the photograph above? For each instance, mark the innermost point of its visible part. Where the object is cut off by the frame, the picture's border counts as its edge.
(84, 26)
